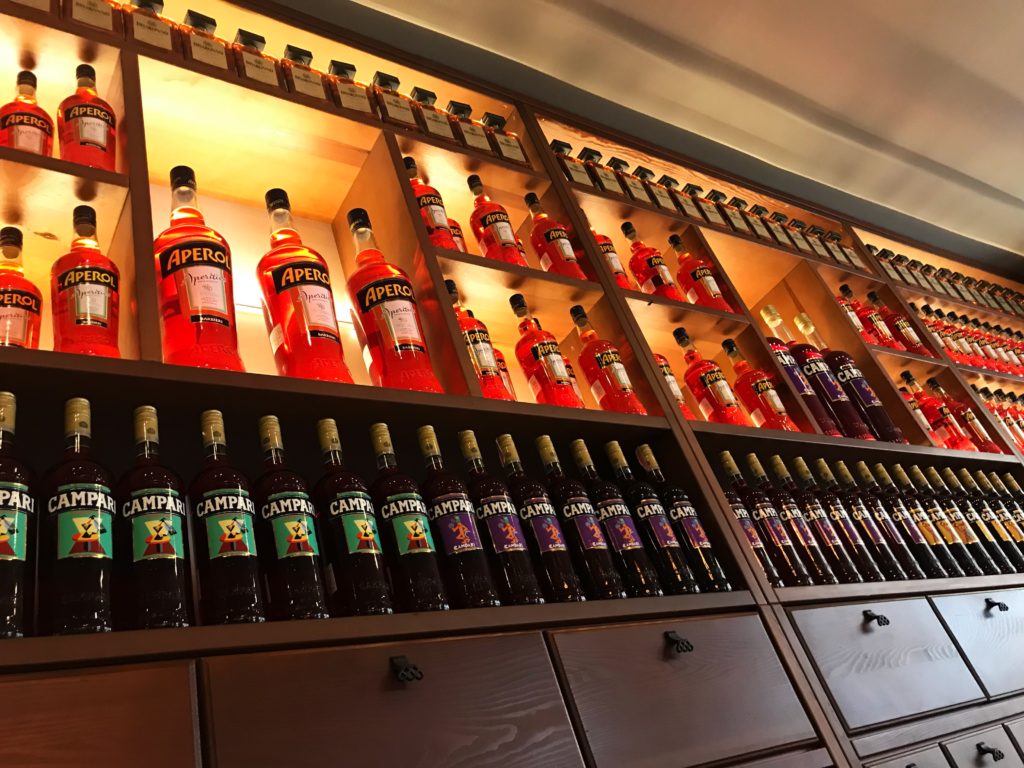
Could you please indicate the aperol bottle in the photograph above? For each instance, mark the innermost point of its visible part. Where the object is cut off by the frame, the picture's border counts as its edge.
(481, 352)
(943, 424)
(493, 227)
(900, 326)
(673, 385)
(649, 268)
(696, 278)
(611, 258)
(86, 125)
(602, 365)
(431, 208)
(966, 417)
(756, 391)
(386, 305)
(21, 303)
(195, 287)
(706, 382)
(541, 360)
(551, 243)
(298, 305)
(24, 124)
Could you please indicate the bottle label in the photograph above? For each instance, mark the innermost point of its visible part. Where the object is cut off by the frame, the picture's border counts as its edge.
(580, 512)
(924, 524)
(157, 516)
(789, 512)
(96, 13)
(963, 528)
(619, 525)
(432, 209)
(392, 303)
(838, 514)
(801, 241)
(711, 211)
(84, 512)
(396, 108)
(408, 517)
(819, 247)
(205, 267)
(543, 519)
(16, 309)
(92, 124)
(850, 375)
(779, 232)
(229, 514)
(16, 504)
(662, 197)
(256, 67)
(559, 239)
(765, 391)
(608, 180)
(769, 518)
(292, 519)
(815, 368)
(862, 515)
(499, 514)
(309, 288)
(455, 518)
(852, 317)
(208, 51)
(355, 511)
(901, 515)
(689, 207)
(652, 513)
(27, 131)
(854, 257)
(500, 227)
(436, 123)
(509, 147)
(610, 256)
(353, 97)
(789, 365)
(819, 518)
(673, 384)
(683, 513)
(759, 228)
(506, 378)
(879, 327)
(721, 393)
(702, 275)
(550, 356)
(478, 342)
(975, 426)
(748, 527)
(661, 275)
(577, 172)
(476, 137)
(92, 291)
(907, 331)
(610, 362)
(737, 221)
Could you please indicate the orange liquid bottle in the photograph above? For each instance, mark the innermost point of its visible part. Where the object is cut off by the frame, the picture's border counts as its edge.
(696, 278)
(431, 208)
(86, 125)
(673, 385)
(492, 227)
(551, 243)
(541, 360)
(21, 303)
(757, 392)
(603, 368)
(481, 352)
(707, 384)
(24, 124)
(649, 268)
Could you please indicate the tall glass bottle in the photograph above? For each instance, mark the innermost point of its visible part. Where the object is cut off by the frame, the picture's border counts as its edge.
(673, 384)
(547, 542)
(780, 546)
(655, 527)
(981, 549)
(492, 227)
(1001, 492)
(85, 293)
(697, 278)
(829, 538)
(966, 417)
(86, 124)
(225, 527)
(633, 561)
(993, 536)
(18, 532)
(750, 532)
(355, 573)
(541, 360)
(500, 529)
(899, 325)
(707, 383)
(995, 514)
(582, 528)
(298, 305)
(405, 531)
(21, 303)
(150, 539)
(431, 206)
(914, 486)
(76, 549)
(386, 305)
(481, 352)
(689, 529)
(649, 268)
(195, 287)
(602, 365)
(941, 420)
(24, 125)
(757, 392)
(551, 243)
(287, 537)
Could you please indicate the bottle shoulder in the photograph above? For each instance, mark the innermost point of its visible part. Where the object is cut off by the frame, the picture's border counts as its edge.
(12, 279)
(185, 231)
(84, 257)
(290, 253)
(148, 476)
(279, 479)
(339, 480)
(216, 477)
(77, 470)
(376, 270)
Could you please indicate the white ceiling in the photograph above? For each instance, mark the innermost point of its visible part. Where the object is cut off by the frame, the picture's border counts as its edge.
(913, 104)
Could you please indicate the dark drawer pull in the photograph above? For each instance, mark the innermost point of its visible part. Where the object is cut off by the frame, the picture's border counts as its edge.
(404, 671)
(991, 603)
(985, 749)
(677, 643)
(881, 620)
(911, 765)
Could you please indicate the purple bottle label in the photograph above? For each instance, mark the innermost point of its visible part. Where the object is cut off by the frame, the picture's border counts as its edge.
(543, 520)
(683, 513)
(653, 514)
(815, 368)
(749, 529)
(839, 515)
(454, 517)
(499, 513)
(590, 532)
(789, 365)
(902, 515)
(861, 514)
(619, 525)
(790, 512)
(850, 375)
(819, 519)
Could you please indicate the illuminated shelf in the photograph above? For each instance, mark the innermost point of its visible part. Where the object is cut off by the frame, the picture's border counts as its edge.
(975, 310)
(796, 595)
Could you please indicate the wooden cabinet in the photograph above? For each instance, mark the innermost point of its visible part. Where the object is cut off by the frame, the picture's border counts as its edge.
(488, 701)
(932, 757)
(125, 717)
(983, 749)
(643, 703)
(883, 661)
(989, 627)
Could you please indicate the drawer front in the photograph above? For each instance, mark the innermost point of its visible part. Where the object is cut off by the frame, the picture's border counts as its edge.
(488, 701)
(117, 717)
(933, 757)
(902, 664)
(982, 749)
(643, 704)
(992, 638)
(811, 758)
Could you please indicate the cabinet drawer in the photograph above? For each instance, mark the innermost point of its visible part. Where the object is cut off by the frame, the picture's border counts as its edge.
(933, 757)
(643, 704)
(968, 751)
(879, 670)
(991, 638)
(488, 701)
(118, 717)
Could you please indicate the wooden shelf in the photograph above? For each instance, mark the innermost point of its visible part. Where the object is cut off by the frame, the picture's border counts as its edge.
(438, 159)
(904, 354)
(989, 374)
(131, 646)
(866, 591)
(938, 301)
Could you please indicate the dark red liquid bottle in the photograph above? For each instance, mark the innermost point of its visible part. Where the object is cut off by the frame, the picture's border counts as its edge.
(978, 538)
(916, 487)
(86, 125)
(431, 206)
(821, 415)
(541, 359)
(707, 383)
(649, 268)
(991, 512)
(492, 227)
(18, 531)
(757, 392)
(990, 530)
(602, 366)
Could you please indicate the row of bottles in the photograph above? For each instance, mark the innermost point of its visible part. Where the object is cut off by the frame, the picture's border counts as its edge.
(888, 524)
(111, 555)
(968, 341)
(877, 324)
(86, 124)
(1007, 409)
(948, 422)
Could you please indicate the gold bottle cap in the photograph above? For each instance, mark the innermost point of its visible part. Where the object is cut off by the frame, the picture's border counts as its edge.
(428, 441)
(615, 455)
(882, 474)
(729, 464)
(778, 467)
(327, 434)
(804, 323)
(507, 451)
(950, 478)
(645, 455)
(270, 434)
(546, 449)
(864, 472)
(802, 470)
(771, 315)
(933, 477)
(1011, 483)
(469, 446)
(145, 423)
(968, 481)
(581, 453)
(77, 417)
(755, 465)
(212, 425)
(997, 484)
(380, 439)
(8, 411)
(823, 470)
(843, 473)
(916, 475)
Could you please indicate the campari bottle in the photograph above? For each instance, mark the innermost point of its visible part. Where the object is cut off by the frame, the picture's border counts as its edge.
(86, 125)
(673, 385)
(649, 268)
(972, 530)
(500, 530)
(916, 486)
(21, 303)
(493, 227)
(286, 531)
(150, 539)
(707, 383)
(24, 125)
(386, 305)
(541, 360)
(298, 305)
(550, 242)
(944, 425)
(431, 209)
(478, 345)
(587, 543)
(18, 530)
(757, 392)
(993, 535)
(193, 268)
(697, 279)
(991, 512)
(85, 293)
(547, 542)
(603, 368)
(355, 574)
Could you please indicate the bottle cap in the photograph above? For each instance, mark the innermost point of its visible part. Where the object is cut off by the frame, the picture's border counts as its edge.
(802, 470)
(693, 189)
(452, 288)
(590, 154)
(643, 173)
(729, 464)
(327, 434)
(779, 217)
(950, 478)
(645, 457)
(933, 477)
(277, 199)
(758, 210)
(873, 296)
(474, 183)
(681, 336)
(986, 485)
(964, 476)
(469, 446)
(183, 176)
(581, 454)
(460, 109)
(77, 417)
(342, 69)
(864, 473)
(8, 411)
(507, 451)
(933, 382)
(738, 202)
(212, 425)
(428, 441)
(85, 72)
(578, 314)
(797, 224)
(27, 78)
(242, 37)
(729, 345)
(531, 199)
(491, 120)
(835, 237)
(145, 422)
(270, 433)
(755, 466)
(617, 164)
(11, 236)
(676, 242)
(771, 315)
(423, 96)
(83, 214)
(822, 468)
(846, 291)
(546, 449)
(668, 181)
(779, 467)
(804, 323)
(814, 229)
(628, 229)
(518, 304)
(201, 21)
(380, 439)
(386, 81)
(716, 196)
(882, 474)
(615, 455)
(358, 218)
(560, 147)
(907, 376)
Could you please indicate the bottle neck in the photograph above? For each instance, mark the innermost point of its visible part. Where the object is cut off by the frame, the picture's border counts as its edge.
(282, 228)
(814, 339)
(738, 362)
(587, 332)
(475, 466)
(26, 94)
(333, 458)
(367, 251)
(554, 469)
(537, 213)
(10, 258)
(185, 206)
(147, 449)
(782, 332)
(86, 86)
(514, 468)
(589, 472)
(6, 442)
(433, 462)
(77, 443)
(624, 473)
(655, 475)
(386, 461)
(527, 323)
(274, 457)
(480, 197)
(216, 451)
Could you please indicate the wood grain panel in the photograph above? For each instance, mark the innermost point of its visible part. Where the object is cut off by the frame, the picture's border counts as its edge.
(965, 752)
(643, 706)
(932, 757)
(490, 701)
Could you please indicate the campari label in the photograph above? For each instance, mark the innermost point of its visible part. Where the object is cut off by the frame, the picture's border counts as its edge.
(84, 512)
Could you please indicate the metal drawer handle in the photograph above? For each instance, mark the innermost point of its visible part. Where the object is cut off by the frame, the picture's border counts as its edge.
(881, 620)
(985, 749)
(677, 643)
(911, 765)
(404, 671)
(991, 603)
